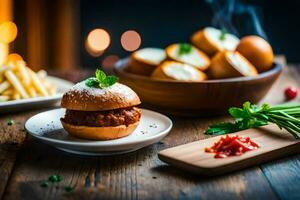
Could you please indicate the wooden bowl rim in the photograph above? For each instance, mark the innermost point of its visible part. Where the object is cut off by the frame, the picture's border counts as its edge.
(122, 63)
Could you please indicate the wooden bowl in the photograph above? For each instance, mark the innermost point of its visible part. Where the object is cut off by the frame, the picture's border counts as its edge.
(205, 98)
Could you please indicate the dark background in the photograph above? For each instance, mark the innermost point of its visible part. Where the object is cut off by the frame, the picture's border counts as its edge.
(159, 22)
(163, 22)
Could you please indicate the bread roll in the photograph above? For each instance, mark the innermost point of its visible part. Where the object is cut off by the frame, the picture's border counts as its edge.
(258, 51)
(212, 40)
(144, 61)
(227, 64)
(188, 54)
(172, 70)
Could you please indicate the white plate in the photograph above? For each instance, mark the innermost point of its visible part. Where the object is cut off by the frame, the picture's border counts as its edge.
(46, 127)
(38, 102)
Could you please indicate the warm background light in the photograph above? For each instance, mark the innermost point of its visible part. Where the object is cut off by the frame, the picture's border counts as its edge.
(6, 10)
(6, 14)
(110, 60)
(92, 52)
(131, 40)
(14, 57)
(97, 41)
(108, 63)
(4, 50)
(8, 32)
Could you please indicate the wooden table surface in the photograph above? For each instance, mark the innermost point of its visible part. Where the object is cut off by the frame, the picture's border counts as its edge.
(25, 163)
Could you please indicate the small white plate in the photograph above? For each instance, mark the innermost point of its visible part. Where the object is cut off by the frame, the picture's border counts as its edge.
(38, 102)
(46, 127)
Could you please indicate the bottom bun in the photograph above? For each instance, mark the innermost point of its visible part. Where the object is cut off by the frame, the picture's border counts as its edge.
(99, 133)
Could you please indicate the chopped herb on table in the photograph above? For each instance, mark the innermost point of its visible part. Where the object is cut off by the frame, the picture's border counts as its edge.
(101, 80)
(69, 188)
(44, 184)
(10, 122)
(252, 116)
(184, 48)
(55, 178)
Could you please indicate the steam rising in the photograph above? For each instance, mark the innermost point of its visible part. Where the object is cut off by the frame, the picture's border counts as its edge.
(225, 12)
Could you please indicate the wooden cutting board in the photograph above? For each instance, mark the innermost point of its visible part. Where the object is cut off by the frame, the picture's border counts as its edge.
(274, 143)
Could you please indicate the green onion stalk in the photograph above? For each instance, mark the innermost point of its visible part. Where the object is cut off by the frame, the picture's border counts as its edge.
(252, 116)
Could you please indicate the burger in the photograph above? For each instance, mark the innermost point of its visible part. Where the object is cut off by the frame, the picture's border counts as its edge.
(99, 108)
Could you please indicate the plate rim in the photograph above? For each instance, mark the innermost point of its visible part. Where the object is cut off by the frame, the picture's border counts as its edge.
(98, 153)
(91, 143)
(31, 100)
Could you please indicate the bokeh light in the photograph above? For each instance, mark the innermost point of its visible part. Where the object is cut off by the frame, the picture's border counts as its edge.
(8, 32)
(14, 57)
(91, 51)
(109, 61)
(131, 40)
(97, 41)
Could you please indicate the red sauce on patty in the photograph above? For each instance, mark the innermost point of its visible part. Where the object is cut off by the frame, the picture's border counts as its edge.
(116, 117)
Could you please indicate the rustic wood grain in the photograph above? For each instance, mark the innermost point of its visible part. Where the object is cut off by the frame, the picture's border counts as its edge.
(7, 161)
(11, 140)
(137, 175)
(284, 174)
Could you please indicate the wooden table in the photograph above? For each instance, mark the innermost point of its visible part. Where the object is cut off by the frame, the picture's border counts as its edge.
(25, 163)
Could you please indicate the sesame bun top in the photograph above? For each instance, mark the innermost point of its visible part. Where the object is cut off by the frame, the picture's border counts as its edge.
(84, 98)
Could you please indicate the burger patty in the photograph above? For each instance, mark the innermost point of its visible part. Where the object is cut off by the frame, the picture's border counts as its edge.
(116, 117)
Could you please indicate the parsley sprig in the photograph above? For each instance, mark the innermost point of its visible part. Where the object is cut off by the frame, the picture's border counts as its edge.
(223, 34)
(184, 48)
(252, 116)
(101, 80)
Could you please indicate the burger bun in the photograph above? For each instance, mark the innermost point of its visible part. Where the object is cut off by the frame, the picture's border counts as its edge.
(99, 133)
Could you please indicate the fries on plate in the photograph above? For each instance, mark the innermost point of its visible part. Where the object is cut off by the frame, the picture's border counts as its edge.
(17, 81)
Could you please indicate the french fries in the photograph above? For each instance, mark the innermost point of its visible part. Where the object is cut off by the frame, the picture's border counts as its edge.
(21, 68)
(4, 86)
(37, 84)
(12, 78)
(8, 92)
(4, 98)
(17, 81)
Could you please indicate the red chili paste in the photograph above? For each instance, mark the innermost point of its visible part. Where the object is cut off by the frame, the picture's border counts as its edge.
(232, 146)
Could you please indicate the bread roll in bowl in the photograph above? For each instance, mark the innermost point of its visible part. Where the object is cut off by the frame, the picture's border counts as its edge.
(227, 64)
(172, 70)
(144, 61)
(258, 51)
(100, 113)
(192, 56)
(212, 40)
